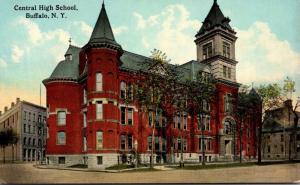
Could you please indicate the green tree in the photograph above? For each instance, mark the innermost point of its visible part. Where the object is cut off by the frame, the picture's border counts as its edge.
(288, 89)
(4, 141)
(12, 140)
(201, 93)
(271, 97)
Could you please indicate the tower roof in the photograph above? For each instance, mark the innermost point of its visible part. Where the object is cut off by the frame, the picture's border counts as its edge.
(214, 18)
(102, 34)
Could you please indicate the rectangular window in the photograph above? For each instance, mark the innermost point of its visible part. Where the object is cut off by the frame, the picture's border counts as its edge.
(184, 145)
(224, 71)
(123, 115)
(179, 144)
(84, 120)
(130, 91)
(29, 116)
(99, 160)
(61, 160)
(185, 122)
(129, 142)
(99, 110)
(149, 139)
(29, 128)
(281, 138)
(226, 49)
(130, 116)
(25, 115)
(123, 90)
(179, 122)
(40, 118)
(150, 119)
(33, 117)
(229, 72)
(84, 96)
(156, 147)
(84, 144)
(33, 129)
(61, 138)
(99, 140)
(24, 126)
(298, 137)
(207, 51)
(123, 142)
(282, 149)
(269, 149)
(61, 117)
(99, 82)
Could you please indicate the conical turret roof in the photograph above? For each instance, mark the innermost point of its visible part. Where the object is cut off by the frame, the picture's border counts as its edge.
(102, 35)
(214, 18)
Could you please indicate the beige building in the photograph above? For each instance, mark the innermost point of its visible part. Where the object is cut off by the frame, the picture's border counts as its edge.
(29, 122)
(277, 132)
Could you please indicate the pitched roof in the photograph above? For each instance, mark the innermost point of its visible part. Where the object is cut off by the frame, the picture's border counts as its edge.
(215, 17)
(102, 32)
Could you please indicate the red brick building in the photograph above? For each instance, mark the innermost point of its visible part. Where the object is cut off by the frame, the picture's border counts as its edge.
(89, 122)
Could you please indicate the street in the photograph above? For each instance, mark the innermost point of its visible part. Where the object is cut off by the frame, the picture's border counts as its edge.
(26, 173)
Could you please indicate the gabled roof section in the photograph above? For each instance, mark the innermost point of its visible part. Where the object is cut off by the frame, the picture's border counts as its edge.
(102, 35)
(214, 18)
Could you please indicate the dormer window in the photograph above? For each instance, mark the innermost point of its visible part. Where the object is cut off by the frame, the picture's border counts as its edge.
(69, 57)
(207, 51)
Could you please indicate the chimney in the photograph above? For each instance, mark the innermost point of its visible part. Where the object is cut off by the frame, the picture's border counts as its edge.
(12, 104)
(5, 109)
(17, 100)
(288, 103)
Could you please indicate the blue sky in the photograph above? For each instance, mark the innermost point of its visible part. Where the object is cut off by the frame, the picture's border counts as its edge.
(268, 47)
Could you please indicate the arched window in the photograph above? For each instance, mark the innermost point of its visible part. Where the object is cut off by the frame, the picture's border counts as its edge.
(229, 126)
(99, 84)
(123, 90)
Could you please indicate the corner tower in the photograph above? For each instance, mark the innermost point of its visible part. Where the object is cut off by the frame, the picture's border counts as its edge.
(216, 44)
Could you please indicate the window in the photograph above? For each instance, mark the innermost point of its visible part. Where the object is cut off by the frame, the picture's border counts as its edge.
(130, 142)
(179, 144)
(149, 139)
(29, 141)
(29, 128)
(84, 120)
(224, 71)
(24, 141)
(227, 127)
(123, 90)
(174, 120)
(84, 96)
(281, 137)
(33, 142)
(298, 137)
(61, 160)
(33, 117)
(130, 91)
(185, 122)
(99, 140)
(123, 115)
(178, 122)
(40, 119)
(130, 116)
(99, 110)
(282, 149)
(269, 148)
(99, 160)
(207, 51)
(229, 72)
(61, 117)
(61, 138)
(228, 103)
(33, 129)
(226, 49)
(123, 142)
(164, 144)
(84, 144)
(184, 145)
(156, 147)
(29, 116)
(25, 115)
(150, 119)
(99, 82)
(24, 126)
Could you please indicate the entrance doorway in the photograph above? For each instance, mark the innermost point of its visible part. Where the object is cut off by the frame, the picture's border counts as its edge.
(227, 147)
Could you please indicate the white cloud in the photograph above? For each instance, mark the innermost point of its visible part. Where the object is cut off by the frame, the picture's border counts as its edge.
(119, 30)
(175, 34)
(84, 27)
(17, 54)
(3, 64)
(33, 29)
(263, 56)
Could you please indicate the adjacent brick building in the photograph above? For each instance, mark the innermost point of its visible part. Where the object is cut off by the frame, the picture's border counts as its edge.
(28, 121)
(89, 122)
